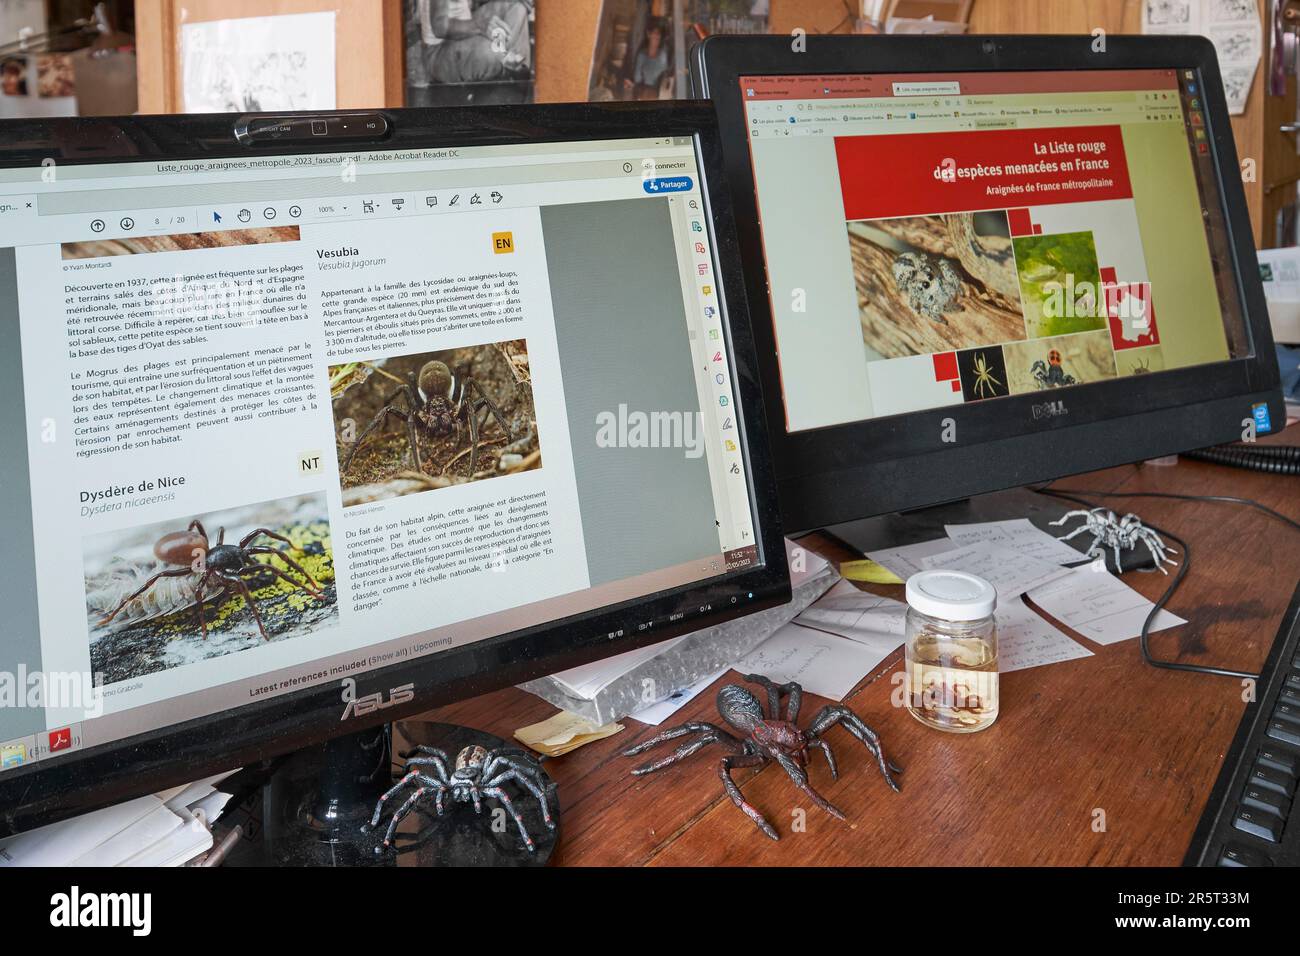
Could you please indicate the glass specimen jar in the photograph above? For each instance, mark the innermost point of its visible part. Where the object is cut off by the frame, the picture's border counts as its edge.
(952, 651)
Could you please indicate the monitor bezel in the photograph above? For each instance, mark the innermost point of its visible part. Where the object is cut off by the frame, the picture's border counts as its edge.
(57, 787)
(844, 472)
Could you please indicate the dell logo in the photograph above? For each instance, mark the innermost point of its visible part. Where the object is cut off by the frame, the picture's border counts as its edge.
(361, 706)
(1050, 410)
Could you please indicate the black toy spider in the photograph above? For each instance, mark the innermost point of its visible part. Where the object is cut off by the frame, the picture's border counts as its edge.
(769, 738)
(225, 564)
(479, 774)
(435, 403)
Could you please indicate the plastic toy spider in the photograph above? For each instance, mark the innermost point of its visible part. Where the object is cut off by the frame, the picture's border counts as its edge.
(984, 377)
(479, 774)
(768, 738)
(435, 403)
(1109, 531)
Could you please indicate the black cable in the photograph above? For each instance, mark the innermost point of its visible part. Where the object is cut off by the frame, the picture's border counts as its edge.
(1183, 565)
(1272, 459)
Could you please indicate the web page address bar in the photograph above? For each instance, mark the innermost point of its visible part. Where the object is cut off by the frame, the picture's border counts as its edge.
(949, 88)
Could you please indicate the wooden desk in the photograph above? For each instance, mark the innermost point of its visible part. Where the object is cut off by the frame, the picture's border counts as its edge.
(1105, 734)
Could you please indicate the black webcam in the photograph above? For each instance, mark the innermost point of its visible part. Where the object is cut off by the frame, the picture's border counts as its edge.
(309, 128)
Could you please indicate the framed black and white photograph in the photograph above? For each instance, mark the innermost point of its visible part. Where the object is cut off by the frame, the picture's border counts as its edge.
(462, 52)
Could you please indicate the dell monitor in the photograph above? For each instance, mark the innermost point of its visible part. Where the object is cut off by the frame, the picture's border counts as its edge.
(974, 262)
(315, 421)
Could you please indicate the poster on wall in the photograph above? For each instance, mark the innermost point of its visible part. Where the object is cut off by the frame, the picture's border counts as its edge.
(642, 51)
(1231, 25)
(463, 52)
(37, 84)
(258, 63)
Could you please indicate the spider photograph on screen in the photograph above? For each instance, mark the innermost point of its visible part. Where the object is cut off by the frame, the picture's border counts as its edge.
(414, 423)
(207, 584)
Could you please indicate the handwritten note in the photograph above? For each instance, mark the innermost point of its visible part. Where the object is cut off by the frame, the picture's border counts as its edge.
(1026, 640)
(1010, 572)
(1018, 534)
(906, 559)
(1099, 605)
(823, 664)
(861, 616)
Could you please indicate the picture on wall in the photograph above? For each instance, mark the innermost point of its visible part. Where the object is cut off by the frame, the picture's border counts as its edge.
(463, 52)
(13, 76)
(638, 43)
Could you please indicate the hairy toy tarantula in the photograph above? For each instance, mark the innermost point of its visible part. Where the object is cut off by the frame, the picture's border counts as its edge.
(435, 402)
(223, 566)
(768, 738)
(1110, 531)
(478, 775)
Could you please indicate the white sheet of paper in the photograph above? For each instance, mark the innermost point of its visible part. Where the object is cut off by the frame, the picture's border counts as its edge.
(1018, 534)
(1010, 572)
(906, 559)
(58, 844)
(656, 714)
(259, 63)
(821, 663)
(144, 833)
(1026, 640)
(804, 564)
(1233, 26)
(877, 622)
(1099, 605)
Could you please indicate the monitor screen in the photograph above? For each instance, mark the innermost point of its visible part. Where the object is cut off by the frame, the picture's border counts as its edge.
(279, 420)
(946, 238)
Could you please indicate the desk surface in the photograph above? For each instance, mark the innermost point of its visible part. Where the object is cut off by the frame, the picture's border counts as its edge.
(1106, 734)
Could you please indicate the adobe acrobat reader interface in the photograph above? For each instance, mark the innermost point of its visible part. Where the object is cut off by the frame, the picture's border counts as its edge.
(291, 418)
(934, 239)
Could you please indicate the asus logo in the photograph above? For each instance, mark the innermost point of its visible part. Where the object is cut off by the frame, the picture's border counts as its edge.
(361, 706)
(1050, 410)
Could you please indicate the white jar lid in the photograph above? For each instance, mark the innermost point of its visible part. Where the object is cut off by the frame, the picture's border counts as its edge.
(951, 595)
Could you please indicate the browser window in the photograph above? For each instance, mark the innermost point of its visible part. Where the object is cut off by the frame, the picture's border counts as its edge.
(939, 239)
(288, 418)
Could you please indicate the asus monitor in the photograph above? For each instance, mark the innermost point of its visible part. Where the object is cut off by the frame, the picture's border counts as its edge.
(316, 421)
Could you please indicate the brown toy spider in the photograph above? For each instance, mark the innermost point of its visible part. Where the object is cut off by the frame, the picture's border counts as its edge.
(226, 564)
(769, 738)
(435, 403)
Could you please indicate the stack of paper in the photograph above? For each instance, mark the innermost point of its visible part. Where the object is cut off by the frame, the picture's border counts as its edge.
(163, 829)
(846, 635)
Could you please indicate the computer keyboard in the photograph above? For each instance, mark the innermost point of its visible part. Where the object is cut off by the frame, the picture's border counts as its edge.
(1251, 817)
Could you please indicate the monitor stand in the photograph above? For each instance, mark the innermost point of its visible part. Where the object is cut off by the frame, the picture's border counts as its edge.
(317, 807)
(927, 524)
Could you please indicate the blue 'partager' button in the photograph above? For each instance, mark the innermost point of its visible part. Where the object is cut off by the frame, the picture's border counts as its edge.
(668, 184)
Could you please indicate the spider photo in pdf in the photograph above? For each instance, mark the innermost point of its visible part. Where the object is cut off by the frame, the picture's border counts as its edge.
(208, 584)
(433, 419)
